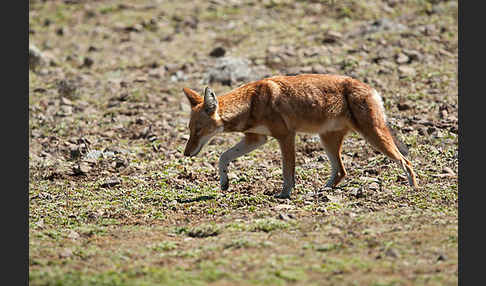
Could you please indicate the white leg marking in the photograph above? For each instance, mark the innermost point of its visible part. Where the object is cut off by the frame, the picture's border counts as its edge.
(231, 154)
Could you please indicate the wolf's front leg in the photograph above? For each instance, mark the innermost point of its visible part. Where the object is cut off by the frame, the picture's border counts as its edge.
(249, 143)
(287, 147)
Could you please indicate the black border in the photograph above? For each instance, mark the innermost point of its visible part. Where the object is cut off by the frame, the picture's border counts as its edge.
(471, 80)
(15, 119)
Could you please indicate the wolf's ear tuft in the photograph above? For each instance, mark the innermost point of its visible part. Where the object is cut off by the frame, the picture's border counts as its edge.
(210, 101)
(193, 97)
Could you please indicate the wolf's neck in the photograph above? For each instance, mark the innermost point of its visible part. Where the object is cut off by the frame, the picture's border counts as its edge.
(234, 110)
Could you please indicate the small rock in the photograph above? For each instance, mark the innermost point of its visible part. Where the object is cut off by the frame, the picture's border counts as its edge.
(119, 162)
(318, 68)
(357, 193)
(141, 120)
(135, 28)
(74, 151)
(372, 242)
(445, 53)
(157, 73)
(372, 172)
(413, 55)
(379, 25)
(94, 215)
(284, 217)
(335, 231)
(108, 154)
(229, 71)
(217, 52)
(441, 257)
(36, 58)
(110, 183)
(94, 154)
(82, 168)
(293, 70)
(443, 114)
(172, 68)
(431, 130)
(403, 106)
(402, 58)
(391, 252)
(283, 207)
(406, 71)
(449, 171)
(152, 138)
(115, 150)
(178, 76)
(374, 186)
(67, 252)
(87, 62)
(332, 37)
(65, 101)
(67, 88)
(40, 224)
(73, 235)
(323, 198)
(145, 132)
(65, 110)
(60, 31)
(140, 79)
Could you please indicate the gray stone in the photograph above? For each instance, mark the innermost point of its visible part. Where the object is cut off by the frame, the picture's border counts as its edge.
(379, 25)
(406, 71)
(402, 58)
(94, 154)
(36, 58)
(229, 71)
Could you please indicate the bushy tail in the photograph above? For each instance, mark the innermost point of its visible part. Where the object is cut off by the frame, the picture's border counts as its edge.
(359, 97)
(369, 118)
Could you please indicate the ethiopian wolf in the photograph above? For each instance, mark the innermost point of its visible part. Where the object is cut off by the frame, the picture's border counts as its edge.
(281, 106)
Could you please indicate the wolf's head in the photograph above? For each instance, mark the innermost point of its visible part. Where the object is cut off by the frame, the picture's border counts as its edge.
(205, 121)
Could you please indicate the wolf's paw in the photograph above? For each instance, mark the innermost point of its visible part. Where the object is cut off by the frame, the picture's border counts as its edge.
(283, 195)
(224, 185)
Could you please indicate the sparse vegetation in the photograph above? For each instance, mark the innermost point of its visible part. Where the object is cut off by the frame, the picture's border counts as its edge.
(113, 201)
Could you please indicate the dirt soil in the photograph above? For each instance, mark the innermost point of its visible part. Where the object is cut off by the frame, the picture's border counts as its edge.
(113, 201)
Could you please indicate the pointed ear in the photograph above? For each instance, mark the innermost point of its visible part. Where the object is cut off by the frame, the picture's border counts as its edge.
(210, 101)
(193, 97)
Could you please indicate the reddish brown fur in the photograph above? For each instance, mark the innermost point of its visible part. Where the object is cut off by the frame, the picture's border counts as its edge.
(281, 106)
(279, 103)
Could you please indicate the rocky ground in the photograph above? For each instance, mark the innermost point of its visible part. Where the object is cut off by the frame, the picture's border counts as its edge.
(113, 201)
